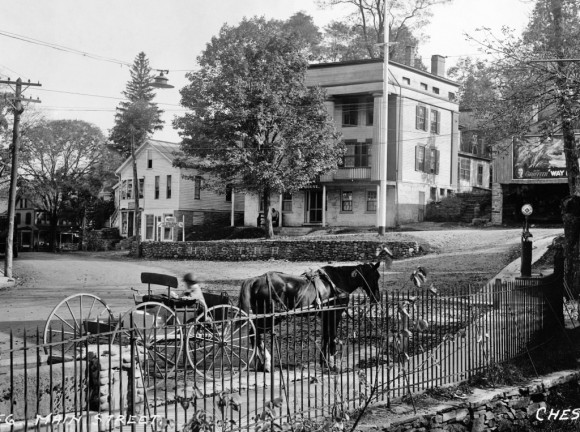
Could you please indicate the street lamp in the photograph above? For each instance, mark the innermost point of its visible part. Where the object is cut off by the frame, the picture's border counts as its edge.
(160, 81)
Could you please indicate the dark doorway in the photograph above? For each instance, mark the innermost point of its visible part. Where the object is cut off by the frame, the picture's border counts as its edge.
(314, 206)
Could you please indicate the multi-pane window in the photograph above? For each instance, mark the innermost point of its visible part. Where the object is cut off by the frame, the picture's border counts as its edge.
(424, 86)
(157, 187)
(421, 118)
(358, 154)
(464, 169)
(127, 189)
(141, 187)
(432, 160)
(28, 218)
(149, 158)
(168, 188)
(18, 218)
(480, 175)
(130, 189)
(346, 200)
(149, 226)
(427, 159)
(419, 158)
(197, 188)
(349, 114)
(287, 202)
(372, 201)
(435, 121)
(435, 90)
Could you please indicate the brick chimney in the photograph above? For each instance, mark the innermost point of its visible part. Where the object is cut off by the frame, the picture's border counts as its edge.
(410, 55)
(438, 65)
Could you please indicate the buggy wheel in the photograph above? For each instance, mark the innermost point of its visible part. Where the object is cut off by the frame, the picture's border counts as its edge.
(76, 316)
(221, 342)
(158, 338)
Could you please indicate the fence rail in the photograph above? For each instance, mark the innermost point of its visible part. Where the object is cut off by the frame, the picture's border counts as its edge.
(206, 371)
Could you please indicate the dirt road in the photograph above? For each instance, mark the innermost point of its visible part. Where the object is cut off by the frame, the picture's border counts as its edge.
(457, 257)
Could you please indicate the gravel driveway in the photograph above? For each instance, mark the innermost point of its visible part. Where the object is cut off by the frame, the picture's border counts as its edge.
(457, 257)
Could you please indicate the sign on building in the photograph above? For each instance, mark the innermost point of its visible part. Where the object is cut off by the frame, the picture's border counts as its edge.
(537, 157)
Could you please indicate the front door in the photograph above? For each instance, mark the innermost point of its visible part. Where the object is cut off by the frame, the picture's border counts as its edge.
(131, 220)
(314, 206)
(26, 240)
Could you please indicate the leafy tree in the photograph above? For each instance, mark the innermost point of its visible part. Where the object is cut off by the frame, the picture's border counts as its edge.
(475, 80)
(301, 27)
(136, 118)
(61, 159)
(405, 18)
(540, 97)
(253, 121)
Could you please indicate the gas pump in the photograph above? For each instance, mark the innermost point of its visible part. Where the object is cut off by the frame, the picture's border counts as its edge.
(526, 260)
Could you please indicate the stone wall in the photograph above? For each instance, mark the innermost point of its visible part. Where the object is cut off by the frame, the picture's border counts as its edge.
(297, 250)
(498, 409)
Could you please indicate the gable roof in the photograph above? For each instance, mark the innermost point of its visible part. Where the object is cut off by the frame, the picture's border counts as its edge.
(167, 149)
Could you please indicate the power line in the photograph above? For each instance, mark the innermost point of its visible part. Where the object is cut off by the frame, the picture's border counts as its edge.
(100, 96)
(62, 48)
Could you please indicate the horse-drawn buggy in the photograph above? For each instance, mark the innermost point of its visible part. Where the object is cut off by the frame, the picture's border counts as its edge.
(206, 334)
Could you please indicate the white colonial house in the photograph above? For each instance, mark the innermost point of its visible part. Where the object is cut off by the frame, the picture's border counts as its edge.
(421, 154)
(167, 198)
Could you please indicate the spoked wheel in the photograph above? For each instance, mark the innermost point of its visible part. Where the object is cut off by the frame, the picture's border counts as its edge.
(76, 316)
(221, 343)
(158, 338)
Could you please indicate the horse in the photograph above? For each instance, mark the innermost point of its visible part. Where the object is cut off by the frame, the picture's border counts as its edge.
(329, 284)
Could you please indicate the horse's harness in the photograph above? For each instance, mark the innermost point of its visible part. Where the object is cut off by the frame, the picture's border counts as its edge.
(316, 279)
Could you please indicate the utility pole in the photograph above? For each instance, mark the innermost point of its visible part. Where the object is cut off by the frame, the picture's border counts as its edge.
(384, 133)
(17, 109)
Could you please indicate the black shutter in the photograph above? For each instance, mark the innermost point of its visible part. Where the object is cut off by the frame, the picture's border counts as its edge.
(437, 162)
(417, 159)
(427, 161)
(417, 114)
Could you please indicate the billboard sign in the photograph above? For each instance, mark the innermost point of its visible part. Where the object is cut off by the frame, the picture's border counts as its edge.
(536, 157)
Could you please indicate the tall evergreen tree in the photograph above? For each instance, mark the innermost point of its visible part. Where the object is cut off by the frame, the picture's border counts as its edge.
(138, 90)
(136, 119)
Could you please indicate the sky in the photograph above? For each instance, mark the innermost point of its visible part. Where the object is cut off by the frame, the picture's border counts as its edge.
(173, 33)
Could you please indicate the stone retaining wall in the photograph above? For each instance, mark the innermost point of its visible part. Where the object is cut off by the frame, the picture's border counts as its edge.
(300, 250)
(498, 409)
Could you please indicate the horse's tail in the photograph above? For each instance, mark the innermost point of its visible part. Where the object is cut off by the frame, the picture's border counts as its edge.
(244, 302)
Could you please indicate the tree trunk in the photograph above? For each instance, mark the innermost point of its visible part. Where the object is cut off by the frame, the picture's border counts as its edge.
(268, 229)
(571, 204)
(53, 230)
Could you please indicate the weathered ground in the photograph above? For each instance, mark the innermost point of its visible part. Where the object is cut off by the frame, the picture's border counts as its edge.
(456, 256)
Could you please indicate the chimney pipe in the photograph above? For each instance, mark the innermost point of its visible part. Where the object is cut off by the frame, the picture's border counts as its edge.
(438, 65)
(410, 55)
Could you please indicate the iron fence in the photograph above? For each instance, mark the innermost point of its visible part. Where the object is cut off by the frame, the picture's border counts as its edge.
(150, 370)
